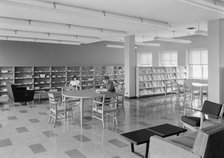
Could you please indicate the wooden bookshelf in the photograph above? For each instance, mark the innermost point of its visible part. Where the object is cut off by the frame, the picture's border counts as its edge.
(44, 78)
(58, 77)
(23, 76)
(6, 75)
(152, 80)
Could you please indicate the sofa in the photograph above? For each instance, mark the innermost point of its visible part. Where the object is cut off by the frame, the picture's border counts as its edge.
(205, 143)
(19, 94)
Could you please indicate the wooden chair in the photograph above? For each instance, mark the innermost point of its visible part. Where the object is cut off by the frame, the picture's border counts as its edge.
(175, 89)
(120, 90)
(210, 114)
(105, 108)
(58, 109)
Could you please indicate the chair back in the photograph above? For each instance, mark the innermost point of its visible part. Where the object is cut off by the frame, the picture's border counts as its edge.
(209, 142)
(52, 98)
(9, 90)
(68, 88)
(106, 100)
(212, 109)
(174, 87)
(187, 87)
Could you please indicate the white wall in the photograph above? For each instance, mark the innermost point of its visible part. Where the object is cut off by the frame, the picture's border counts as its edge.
(14, 53)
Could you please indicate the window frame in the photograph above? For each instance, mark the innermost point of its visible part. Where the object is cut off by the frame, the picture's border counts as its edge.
(201, 64)
(170, 62)
(139, 58)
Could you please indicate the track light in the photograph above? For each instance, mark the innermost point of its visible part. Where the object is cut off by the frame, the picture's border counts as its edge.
(173, 40)
(148, 44)
(63, 8)
(48, 36)
(9, 38)
(213, 5)
(136, 45)
(115, 46)
(5, 22)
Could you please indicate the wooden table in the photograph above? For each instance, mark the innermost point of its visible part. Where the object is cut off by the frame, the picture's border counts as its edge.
(142, 136)
(200, 86)
(83, 94)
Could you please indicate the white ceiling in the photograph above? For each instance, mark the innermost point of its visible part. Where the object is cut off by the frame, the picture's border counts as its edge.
(179, 15)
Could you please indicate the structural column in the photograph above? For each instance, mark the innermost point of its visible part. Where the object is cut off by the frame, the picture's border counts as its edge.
(129, 65)
(216, 61)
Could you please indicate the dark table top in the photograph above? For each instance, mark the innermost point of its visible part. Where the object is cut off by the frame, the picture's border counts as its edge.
(166, 130)
(143, 135)
(138, 137)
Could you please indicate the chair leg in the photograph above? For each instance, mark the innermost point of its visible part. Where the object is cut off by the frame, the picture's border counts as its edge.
(49, 119)
(56, 118)
(115, 118)
(103, 121)
(191, 101)
(72, 113)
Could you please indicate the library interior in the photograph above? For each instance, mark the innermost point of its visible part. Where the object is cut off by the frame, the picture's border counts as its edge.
(111, 78)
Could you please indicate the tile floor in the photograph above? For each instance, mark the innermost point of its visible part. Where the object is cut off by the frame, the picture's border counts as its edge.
(25, 132)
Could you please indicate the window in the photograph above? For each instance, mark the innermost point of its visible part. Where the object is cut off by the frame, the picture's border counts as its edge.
(168, 58)
(198, 64)
(145, 59)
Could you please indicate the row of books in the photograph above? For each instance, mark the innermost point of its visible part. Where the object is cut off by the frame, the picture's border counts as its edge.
(151, 84)
(161, 77)
(152, 91)
(149, 70)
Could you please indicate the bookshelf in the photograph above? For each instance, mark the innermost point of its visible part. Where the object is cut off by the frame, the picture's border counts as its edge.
(58, 77)
(6, 75)
(44, 78)
(87, 77)
(152, 80)
(24, 76)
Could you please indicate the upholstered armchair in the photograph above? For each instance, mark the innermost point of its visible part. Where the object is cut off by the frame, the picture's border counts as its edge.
(19, 94)
(205, 143)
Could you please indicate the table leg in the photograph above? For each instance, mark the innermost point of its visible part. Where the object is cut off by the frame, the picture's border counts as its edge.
(39, 97)
(201, 96)
(81, 111)
(132, 148)
(147, 150)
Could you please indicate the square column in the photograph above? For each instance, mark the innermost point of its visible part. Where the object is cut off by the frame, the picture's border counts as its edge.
(129, 65)
(216, 61)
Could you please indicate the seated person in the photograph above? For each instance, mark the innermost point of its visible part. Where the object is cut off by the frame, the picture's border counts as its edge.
(75, 82)
(109, 85)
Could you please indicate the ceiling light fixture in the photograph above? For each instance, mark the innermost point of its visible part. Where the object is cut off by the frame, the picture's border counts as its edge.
(5, 22)
(136, 45)
(9, 38)
(147, 44)
(212, 5)
(50, 36)
(115, 46)
(173, 40)
(62, 8)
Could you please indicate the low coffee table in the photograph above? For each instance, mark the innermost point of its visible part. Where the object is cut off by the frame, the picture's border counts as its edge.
(143, 135)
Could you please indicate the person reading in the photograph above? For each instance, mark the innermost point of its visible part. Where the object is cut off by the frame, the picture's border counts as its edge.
(109, 85)
(75, 82)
